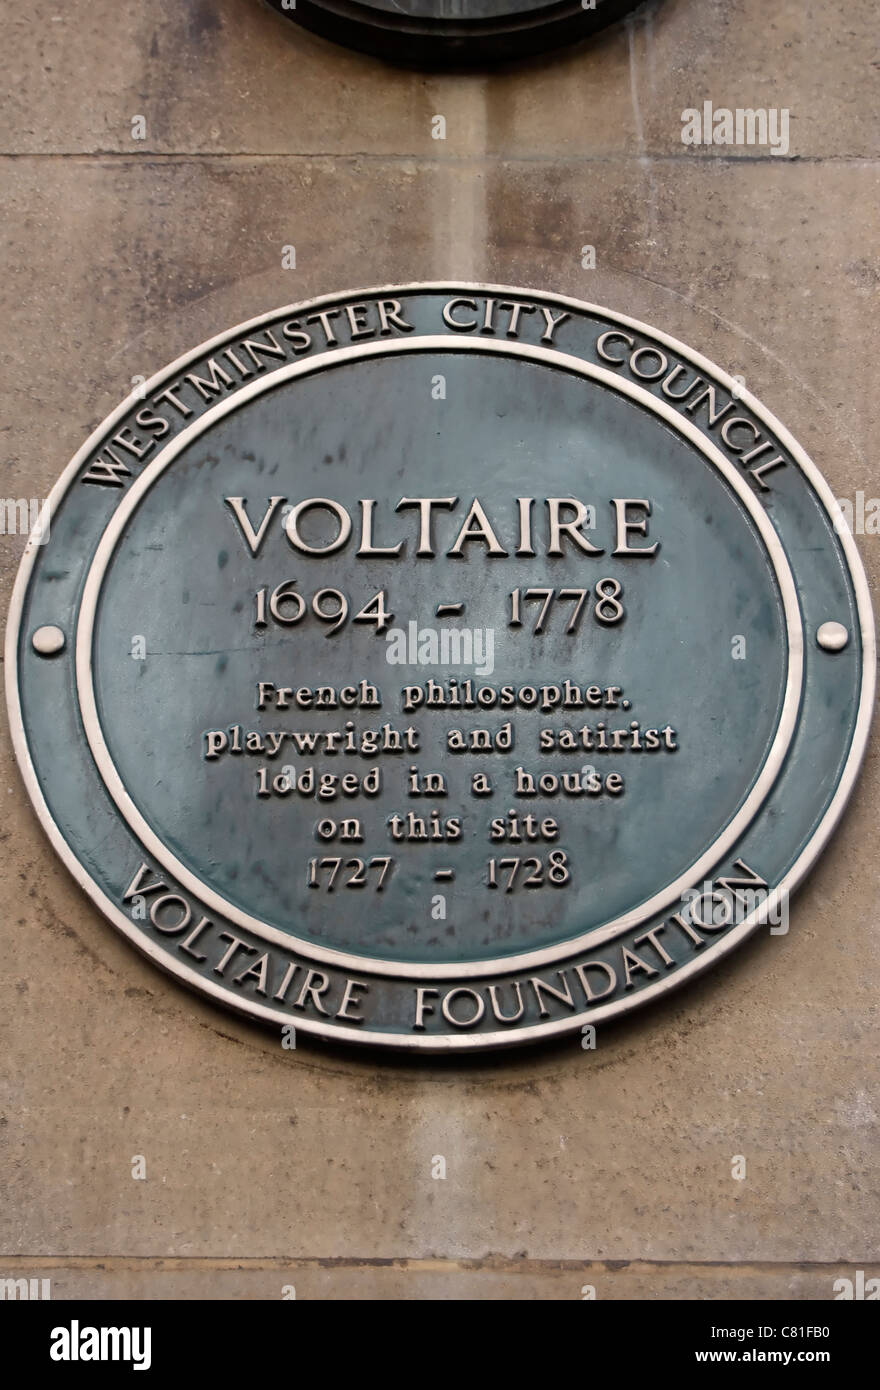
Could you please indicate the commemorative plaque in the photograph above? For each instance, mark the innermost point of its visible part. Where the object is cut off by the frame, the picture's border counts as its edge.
(430, 33)
(440, 667)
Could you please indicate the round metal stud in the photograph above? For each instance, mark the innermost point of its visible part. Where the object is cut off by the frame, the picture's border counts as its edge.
(48, 640)
(832, 637)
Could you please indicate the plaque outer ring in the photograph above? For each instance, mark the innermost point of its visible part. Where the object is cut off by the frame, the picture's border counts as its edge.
(447, 1043)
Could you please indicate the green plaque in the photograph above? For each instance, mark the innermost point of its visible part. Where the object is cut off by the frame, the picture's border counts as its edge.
(440, 667)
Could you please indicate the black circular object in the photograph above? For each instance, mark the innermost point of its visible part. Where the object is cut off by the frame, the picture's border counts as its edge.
(439, 33)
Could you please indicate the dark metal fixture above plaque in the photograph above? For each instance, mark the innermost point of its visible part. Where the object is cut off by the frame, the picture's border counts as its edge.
(428, 33)
(440, 667)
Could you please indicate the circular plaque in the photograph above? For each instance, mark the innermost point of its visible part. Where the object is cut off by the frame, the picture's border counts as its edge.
(440, 667)
(430, 33)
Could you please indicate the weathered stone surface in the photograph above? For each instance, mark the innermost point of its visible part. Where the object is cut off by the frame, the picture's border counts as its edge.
(231, 76)
(427, 1279)
(259, 138)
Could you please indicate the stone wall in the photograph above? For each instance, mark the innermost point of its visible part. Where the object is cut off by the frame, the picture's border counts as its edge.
(565, 1168)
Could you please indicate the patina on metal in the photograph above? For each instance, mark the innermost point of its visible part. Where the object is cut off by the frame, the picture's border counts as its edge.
(443, 33)
(440, 667)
